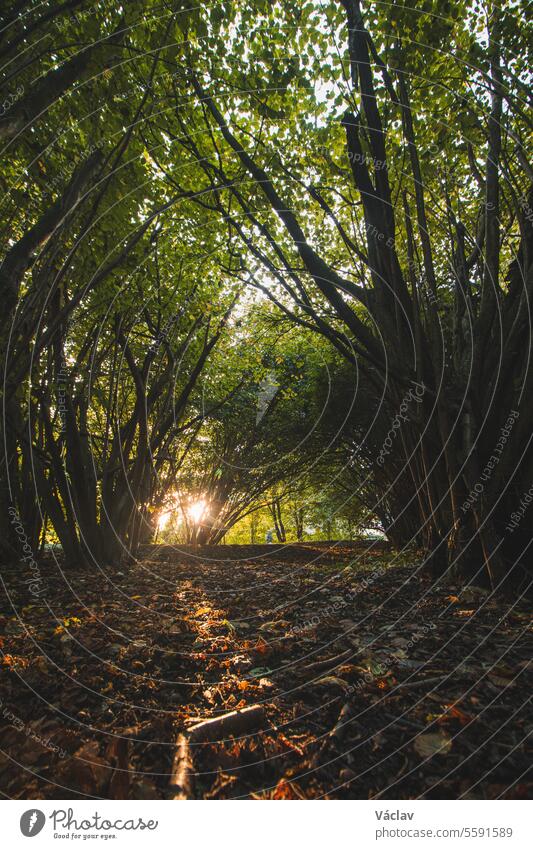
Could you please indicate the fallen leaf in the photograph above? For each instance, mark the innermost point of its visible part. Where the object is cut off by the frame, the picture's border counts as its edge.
(432, 743)
(284, 790)
(501, 676)
(259, 671)
(332, 681)
(453, 712)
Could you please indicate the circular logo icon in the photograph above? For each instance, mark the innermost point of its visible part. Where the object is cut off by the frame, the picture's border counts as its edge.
(32, 822)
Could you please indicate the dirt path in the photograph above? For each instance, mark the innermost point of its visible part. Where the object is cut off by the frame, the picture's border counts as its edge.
(375, 682)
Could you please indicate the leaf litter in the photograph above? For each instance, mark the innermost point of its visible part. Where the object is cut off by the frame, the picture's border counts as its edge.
(319, 684)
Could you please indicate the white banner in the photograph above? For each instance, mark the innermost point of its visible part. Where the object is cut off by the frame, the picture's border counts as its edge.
(262, 825)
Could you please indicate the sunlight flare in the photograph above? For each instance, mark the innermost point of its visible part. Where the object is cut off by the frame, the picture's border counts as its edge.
(162, 520)
(197, 511)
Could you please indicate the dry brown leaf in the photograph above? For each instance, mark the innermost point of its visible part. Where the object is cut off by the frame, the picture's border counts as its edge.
(284, 790)
(332, 681)
(432, 743)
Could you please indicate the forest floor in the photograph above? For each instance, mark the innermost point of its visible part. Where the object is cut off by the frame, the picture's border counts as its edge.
(373, 681)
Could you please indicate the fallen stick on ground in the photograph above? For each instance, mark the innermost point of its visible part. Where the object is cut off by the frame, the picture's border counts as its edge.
(332, 661)
(411, 685)
(334, 735)
(230, 724)
(339, 729)
(182, 775)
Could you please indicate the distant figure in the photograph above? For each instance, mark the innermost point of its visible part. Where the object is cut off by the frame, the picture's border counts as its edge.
(269, 537)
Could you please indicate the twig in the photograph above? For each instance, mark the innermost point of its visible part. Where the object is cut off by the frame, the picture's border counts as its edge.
(336, 734)
(234, 723)
(182, 776)
(411, 685)
(339, 729)
(332, 661)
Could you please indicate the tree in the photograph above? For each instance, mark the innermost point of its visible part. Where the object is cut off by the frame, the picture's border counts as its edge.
(259, 435)
(439, 306)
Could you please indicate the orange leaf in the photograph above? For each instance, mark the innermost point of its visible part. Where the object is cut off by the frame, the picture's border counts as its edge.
(284, 790)
(453, 712)
(262, 647)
